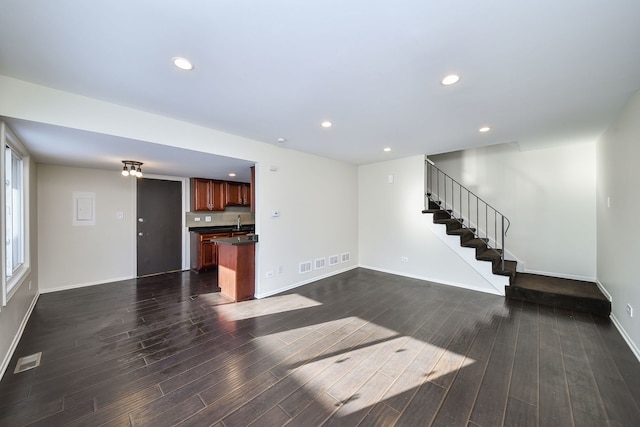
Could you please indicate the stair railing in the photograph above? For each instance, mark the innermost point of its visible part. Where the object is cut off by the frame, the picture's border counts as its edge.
(486, 222)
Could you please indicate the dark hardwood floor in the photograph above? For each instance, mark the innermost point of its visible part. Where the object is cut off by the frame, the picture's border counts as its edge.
(360, 348)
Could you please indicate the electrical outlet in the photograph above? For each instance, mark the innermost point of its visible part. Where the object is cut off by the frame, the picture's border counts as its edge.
(269, 274)
(404, 259)
(280, 269)
(629, 310)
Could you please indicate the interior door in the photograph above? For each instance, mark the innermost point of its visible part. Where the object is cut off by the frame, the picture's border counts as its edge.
(159, 208)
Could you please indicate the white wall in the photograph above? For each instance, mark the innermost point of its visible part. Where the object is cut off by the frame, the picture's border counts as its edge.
(547, 193)
(618, 245)
(14, 315)
(317, 200)
(317, 197)
(71, 256)
(393, 226)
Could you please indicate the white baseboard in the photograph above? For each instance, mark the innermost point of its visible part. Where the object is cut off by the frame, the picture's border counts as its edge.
(18, 335)
(604, 290)
(561, 275)
(626, 337)
(487, 290)
(84, 285)
(302, 283)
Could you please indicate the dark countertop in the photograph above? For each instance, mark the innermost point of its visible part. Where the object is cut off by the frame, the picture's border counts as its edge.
(238, 240)
(221, 229)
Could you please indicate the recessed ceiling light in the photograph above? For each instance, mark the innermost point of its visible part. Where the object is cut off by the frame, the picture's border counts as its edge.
(282, 139)
(182, 63)
(232, 174)
(450, 79)
(326, 124)
(484, 129)
(387, 149)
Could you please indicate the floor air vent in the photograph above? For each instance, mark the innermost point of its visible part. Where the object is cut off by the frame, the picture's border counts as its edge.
(28, 362)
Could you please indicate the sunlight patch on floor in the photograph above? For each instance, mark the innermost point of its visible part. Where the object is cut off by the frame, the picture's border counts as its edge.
(257, 308)
(348, 372)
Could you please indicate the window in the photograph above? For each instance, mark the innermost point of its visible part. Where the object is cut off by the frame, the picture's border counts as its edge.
(13, 207)
(15, 225)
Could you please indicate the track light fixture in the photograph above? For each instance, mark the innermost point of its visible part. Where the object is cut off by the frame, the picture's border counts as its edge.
(132, 168)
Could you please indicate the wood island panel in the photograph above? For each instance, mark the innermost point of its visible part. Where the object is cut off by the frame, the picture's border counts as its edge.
(236, 271)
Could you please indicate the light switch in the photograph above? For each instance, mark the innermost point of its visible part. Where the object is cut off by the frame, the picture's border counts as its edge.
(207, 219)
(120, 215)
(275, 213)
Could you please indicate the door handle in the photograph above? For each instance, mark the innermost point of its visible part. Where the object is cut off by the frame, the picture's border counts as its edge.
(140, 233)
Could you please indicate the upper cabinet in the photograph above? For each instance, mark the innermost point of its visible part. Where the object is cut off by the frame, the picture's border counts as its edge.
(207, 195)
(252, 197)
(214, 195)
(238, 194)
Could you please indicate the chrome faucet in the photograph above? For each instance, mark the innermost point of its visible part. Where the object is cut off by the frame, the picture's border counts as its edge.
(239, 225)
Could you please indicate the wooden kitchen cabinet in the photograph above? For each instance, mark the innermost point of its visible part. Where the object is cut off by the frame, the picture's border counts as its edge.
(207, 195)
(252, 189)
(236, 272)
(245, 191)
(204, 251)
(238, 193)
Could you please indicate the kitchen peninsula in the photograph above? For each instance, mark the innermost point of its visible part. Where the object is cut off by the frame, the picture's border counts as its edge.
(236, 266)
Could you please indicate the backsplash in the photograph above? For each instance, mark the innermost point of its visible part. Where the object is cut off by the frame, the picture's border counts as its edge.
(212, 219)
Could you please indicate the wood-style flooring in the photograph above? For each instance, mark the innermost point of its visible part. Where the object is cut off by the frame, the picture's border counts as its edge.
(360, 348)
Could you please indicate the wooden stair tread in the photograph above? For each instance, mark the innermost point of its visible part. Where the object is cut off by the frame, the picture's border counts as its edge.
(509, 268)
(463, 230)
(445, 221)
(566, 294)
(558, 285)
(474, 243)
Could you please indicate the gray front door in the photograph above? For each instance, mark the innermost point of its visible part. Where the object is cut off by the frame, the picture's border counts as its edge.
(159, 231)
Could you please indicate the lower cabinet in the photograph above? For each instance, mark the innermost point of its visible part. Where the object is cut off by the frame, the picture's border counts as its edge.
(204, 251)
(236, 274)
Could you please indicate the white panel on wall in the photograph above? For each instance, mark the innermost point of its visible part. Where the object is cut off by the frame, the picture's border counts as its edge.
(84, 206)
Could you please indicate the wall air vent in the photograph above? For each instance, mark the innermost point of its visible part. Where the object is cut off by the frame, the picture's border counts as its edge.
(333, 259)
(346, 257)
(304, 267)
(320, 263)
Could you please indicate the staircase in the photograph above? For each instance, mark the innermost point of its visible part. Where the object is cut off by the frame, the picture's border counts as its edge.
(469, 239)
(441, 196)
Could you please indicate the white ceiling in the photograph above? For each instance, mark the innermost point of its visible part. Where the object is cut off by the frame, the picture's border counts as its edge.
(538, 72)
